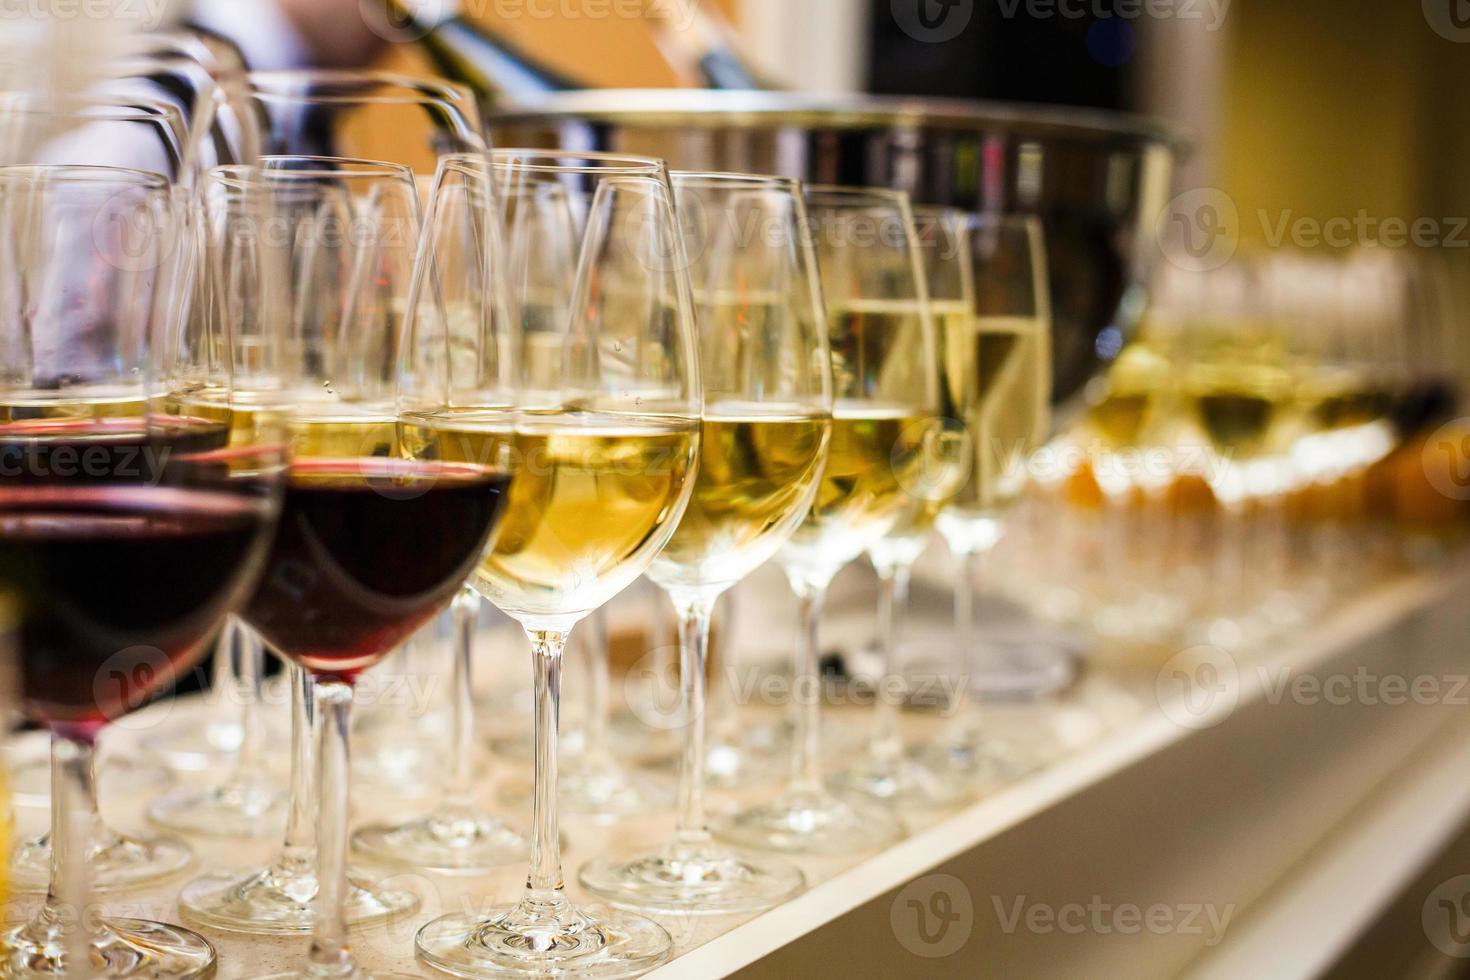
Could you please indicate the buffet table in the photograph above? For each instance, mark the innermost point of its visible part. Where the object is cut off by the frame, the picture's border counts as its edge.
(1304, 794)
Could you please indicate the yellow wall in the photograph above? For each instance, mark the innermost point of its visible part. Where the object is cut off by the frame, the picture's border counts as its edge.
(1327, 110)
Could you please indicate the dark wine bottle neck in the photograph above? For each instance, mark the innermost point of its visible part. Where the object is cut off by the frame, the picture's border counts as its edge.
(466, 52)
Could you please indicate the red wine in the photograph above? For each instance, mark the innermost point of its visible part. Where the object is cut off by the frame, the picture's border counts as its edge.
(117, 588)
(123, 449)
(367, 551)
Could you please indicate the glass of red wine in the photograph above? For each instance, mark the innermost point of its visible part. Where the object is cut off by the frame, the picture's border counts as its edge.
(129, 523)
(372, 544)
(326, 113)
(456, 404)
(91, 131)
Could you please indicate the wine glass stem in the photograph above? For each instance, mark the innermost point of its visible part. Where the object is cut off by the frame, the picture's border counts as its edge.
(73, 820)
(884, 745)
(967, 631)
(694, 621)
(298, 856)
(598, 683)
(459, 793)
(249, 660)
(544, 883)
(806, 765)
(330, 956)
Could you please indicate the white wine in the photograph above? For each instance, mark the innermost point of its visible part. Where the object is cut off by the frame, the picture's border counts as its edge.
(758, 468)
(1239, 405)
(874, 456)
(594, 497)
(1007, 409)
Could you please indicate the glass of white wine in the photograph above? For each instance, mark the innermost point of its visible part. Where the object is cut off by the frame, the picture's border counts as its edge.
(887, 399)
(767, 419)
(999, 371)
(604, 447)
(886, 773)
(542, 251)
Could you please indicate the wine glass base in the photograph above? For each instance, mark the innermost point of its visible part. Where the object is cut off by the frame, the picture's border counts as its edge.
(708, 880)
(589, 941)
(904, 783)
(811, 822)
(118, 862)
(466, 845)
(122, 948)
(277, 903)
(225, 811)
(599, 789)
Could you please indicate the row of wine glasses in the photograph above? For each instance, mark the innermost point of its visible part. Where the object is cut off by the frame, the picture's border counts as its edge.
(531, 379)
(1261, 452)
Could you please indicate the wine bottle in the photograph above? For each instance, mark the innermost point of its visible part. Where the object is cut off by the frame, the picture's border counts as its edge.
(704, 51)
(466, 52)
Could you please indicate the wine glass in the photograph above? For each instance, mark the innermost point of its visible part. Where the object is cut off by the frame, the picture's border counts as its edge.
(247, 803)
(99, 131)
(1002, 390)
(461, 344)
(592, 783)
(606, 447)
(767, 388)
(333, 109)
(373, 544)
(886, 406)
(311, 259)
(128, 524)
(887, 773)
